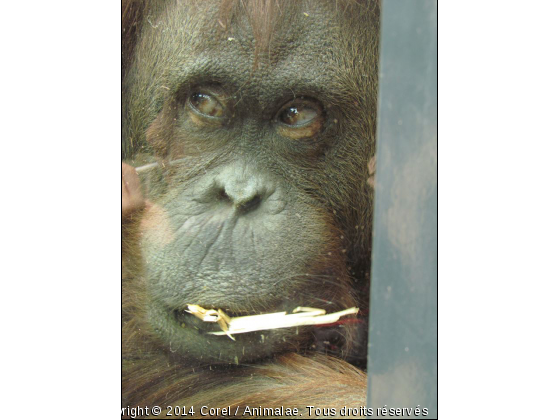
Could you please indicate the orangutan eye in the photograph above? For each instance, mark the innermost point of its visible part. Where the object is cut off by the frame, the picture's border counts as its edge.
(206, 104)
(300, 119)
(297, 115)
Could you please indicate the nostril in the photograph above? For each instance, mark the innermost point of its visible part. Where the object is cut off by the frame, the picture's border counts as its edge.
(250, 205)
(239, 199)
(223, 196)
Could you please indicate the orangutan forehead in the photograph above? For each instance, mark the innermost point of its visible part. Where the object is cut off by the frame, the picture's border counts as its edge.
(261, 24)
(269, 20)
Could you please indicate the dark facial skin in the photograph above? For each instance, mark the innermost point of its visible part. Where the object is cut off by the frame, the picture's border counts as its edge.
(263, 204)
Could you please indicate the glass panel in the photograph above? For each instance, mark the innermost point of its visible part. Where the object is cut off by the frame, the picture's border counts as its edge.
(248, 141)
(403, 323)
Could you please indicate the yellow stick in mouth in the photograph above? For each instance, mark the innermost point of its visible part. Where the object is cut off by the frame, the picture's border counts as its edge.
(244, 324)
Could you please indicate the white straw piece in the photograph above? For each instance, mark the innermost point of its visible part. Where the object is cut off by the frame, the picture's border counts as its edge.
(144, 168)
(244, 324)
(163, 164)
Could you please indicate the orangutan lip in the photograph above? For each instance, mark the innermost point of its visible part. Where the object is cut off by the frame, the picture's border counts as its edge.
(185, 320)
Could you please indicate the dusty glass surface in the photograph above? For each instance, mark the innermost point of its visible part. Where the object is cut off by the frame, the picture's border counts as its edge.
(403, 324)
(248, 145)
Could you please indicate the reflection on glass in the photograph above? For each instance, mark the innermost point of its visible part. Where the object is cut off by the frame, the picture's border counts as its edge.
(248, 142)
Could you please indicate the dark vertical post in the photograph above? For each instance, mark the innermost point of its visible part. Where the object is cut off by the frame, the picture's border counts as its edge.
(402, 355)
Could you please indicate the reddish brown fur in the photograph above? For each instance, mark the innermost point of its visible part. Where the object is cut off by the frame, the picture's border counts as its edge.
(291, 380)
(131, 16)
